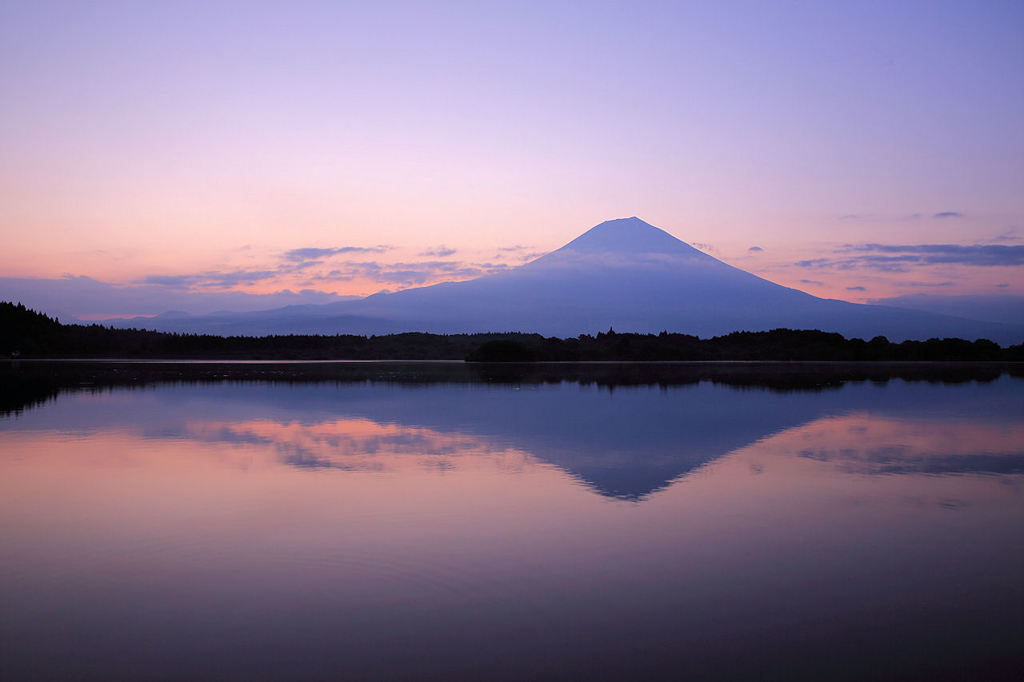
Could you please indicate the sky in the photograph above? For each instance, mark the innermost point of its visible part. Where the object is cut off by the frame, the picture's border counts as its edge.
(243, 155)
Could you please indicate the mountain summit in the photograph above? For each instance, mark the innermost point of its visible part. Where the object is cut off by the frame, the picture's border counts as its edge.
(627, 235)
(623, 273)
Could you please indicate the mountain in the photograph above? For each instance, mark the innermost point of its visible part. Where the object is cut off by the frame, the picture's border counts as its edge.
(624, 274)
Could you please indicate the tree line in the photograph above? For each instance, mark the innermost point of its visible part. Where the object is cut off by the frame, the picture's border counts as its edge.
(30, 334)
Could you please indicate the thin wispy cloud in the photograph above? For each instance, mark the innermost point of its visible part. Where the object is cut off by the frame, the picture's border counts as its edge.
(925, 285)
(812, 263)
(211, 279)
(519, 252)
(755, 249)
(441, 251)
(856, 288)
(493, 267)
(172, 281)
(872, 217)
(295, 261)
(408, 273)
(904, 257)
(973, 254)
(1008, 235)
(313, 253)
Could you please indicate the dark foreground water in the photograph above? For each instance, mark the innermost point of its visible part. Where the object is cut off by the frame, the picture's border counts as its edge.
(429, 523)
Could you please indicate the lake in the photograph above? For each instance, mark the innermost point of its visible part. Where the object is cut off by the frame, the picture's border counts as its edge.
(328, 521)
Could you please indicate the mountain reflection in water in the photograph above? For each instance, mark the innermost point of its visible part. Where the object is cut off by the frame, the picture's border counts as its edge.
(556, 529)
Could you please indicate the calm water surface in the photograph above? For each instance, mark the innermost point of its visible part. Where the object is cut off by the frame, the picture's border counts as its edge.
(535, 530)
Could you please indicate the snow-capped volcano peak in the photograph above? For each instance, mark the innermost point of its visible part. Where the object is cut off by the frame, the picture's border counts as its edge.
(627, 235)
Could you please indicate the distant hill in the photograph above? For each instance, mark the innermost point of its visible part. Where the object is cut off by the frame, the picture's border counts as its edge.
(623, 274)
(989, 308)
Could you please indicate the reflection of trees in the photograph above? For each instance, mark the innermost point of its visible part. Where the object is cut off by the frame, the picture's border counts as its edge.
(28, 383)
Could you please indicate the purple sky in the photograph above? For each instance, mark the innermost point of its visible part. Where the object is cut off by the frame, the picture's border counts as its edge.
(172, 149)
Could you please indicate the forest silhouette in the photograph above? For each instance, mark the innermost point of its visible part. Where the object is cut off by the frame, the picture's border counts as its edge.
(29, 334)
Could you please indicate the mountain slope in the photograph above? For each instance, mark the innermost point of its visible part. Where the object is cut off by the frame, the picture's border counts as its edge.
(624, 274)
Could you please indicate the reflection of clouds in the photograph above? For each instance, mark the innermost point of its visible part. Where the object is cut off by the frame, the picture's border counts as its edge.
(901, 460)
(855, 443)
(439, 466)
(307, 460)
(947, 503)
(356, 445)
(867, 444)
